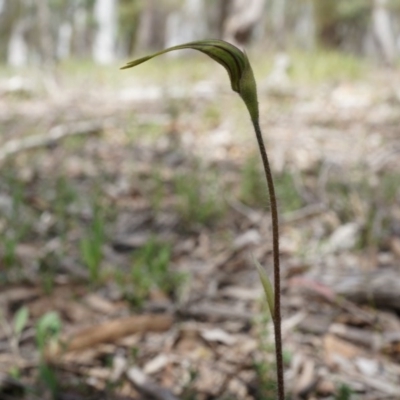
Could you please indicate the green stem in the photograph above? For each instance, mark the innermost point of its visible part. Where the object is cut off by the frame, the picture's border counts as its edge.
(275, 251)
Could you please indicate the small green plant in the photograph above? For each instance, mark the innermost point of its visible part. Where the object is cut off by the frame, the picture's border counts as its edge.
(21, 318)
(15, 329)
(65, 195)
(14, 372)
(243, 82)
(92, 244)
(17, 226)
(356, 198)
(198, 203)
(344, 392)
(150, 269)
(251, 188)
(265, 388)
(47, 270)
(286, 192)
(10, 242)
(157, 190)
(197, 199)
(189, 392)
(48, 329)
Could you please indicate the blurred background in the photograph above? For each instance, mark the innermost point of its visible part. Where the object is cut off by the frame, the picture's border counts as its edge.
(131, 201)
(37, 32)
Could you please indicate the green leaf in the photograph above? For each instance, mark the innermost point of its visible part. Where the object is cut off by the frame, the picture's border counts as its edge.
(49, 378)
(231, 58)
(268, 290)
(20, 320)
(47, 328)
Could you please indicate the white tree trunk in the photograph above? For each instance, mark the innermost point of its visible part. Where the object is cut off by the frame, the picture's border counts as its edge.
(383, 31)
(64, 41)
(17, 52)
(187, 24)
(104, 47)
(279, 21)
(195, 24)
(80, 23)
(305, 30)
(46, 49)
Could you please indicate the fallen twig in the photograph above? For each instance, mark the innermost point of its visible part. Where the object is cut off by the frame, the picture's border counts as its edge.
(111, 331)
(148, 387)
(54, 135)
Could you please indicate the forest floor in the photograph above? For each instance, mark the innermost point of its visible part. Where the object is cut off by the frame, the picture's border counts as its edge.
(131, 206)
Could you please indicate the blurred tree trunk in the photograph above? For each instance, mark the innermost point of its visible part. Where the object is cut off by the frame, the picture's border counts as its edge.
(46, 45)
(64, 39)
(17, 22)
(104, 46)
(186, 24)
(383, 31)
(64, 29)
(9, 34)
(244, 17)
(304, 25)
(9, 16)
(217, 13)
(279, 22)
(152, 24)
(80, 38)
(326, 23)
(342, 24)
(17, 54)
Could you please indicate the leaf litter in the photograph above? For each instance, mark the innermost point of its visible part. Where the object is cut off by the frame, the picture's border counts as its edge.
(176, 310)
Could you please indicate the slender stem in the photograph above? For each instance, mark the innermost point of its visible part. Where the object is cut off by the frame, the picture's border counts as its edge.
(275, 251)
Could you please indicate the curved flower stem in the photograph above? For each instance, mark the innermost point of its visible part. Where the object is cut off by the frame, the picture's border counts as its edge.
(242, 80)
(275, 251)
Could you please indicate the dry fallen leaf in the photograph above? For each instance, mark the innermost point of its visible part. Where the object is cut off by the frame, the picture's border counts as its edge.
(218, 335)
(335, 347)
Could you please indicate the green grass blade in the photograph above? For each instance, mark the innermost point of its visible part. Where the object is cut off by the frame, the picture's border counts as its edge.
(21, 320)
(268, 290)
